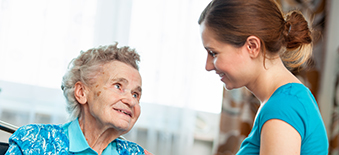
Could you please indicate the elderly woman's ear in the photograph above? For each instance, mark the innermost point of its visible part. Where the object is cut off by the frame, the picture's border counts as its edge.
(80, 92)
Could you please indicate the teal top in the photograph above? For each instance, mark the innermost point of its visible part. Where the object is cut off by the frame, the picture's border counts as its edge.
(294, 104)
(78, 143)
(64, 139)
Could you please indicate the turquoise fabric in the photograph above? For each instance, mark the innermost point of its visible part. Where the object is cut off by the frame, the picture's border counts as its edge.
(64, 139)
(294, 104)
(78, 143)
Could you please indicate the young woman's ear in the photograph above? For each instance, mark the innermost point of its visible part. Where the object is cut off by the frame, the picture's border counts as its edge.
(80, 92)
(253, 46)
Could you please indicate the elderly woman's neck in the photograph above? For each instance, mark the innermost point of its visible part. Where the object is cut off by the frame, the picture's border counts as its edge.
(97, 135)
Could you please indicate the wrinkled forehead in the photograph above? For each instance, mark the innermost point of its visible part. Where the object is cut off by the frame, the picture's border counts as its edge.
(121, 72)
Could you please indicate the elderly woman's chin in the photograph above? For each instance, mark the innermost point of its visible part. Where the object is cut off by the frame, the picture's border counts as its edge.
(124, 125)
(122, 121)
(124, 128)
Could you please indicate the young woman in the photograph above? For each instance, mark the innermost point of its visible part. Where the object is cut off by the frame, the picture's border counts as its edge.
(250, 43)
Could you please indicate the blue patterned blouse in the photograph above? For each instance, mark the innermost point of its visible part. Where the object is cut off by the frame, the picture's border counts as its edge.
(62, 140)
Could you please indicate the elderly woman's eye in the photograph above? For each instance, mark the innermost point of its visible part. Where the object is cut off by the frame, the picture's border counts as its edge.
(136, 95)
(118, 86)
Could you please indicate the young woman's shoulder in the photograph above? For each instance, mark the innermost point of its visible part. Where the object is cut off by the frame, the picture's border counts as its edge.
(294, 104)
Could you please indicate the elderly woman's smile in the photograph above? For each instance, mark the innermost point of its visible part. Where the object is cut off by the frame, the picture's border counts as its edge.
(126, 112)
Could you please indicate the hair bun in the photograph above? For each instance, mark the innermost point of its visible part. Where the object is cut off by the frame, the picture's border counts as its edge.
(296, 30)
(298, 40)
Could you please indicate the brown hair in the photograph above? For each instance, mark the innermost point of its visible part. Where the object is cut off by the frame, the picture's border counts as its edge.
(233, 21)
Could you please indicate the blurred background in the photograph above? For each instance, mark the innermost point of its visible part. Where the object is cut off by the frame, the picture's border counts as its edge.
(185, 109)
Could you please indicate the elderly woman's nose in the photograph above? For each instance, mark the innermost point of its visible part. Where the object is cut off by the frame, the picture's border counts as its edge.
(128, 99)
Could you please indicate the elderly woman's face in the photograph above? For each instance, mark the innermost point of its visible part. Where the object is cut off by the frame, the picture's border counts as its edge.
(114, 98)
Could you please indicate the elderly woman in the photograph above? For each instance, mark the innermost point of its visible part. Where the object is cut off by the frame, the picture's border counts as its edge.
(102, 88)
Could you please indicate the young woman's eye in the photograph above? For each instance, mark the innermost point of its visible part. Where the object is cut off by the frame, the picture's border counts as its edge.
(212, 54)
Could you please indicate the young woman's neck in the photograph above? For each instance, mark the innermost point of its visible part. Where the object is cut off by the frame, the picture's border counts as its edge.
(272, 76)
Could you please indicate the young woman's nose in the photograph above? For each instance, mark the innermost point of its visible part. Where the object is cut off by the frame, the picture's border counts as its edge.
(209, 63)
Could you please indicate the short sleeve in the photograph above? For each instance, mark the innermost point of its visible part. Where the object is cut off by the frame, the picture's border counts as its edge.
(15, 141)
(286, 108)
(13, 149)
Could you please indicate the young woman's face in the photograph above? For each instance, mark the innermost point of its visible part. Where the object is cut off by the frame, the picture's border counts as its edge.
(229, 62)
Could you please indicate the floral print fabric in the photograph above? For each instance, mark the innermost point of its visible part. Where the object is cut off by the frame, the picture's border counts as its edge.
(50, 139)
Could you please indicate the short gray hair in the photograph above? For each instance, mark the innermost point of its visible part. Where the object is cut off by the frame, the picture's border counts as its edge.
(84, 68)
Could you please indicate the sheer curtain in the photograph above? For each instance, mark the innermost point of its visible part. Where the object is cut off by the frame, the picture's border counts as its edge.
(39, 37)
(167, 35)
